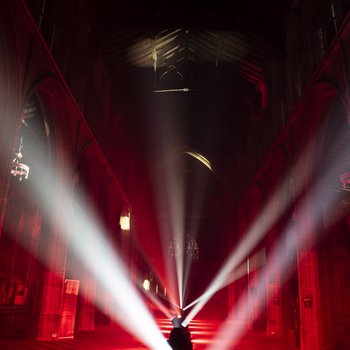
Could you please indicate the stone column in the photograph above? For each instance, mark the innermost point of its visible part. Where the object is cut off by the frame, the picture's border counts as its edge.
(86, 308)
(54, 243)
(274, 325)
(240, 289)
(53, 287)
(311, 326)
(87, 291)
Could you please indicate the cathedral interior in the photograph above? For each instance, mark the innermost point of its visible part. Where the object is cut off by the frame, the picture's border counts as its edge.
(164, 160)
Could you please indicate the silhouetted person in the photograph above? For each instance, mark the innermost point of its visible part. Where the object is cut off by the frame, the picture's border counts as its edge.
(180, 337)
(177, 321)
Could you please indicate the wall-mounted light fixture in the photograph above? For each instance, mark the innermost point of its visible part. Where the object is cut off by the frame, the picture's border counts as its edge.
(146, 285)
(124, 220)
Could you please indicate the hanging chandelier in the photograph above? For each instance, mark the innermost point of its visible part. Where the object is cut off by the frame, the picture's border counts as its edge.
(186, 246)
(18, 168)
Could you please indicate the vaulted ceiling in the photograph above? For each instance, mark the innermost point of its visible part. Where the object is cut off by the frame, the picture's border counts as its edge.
(191, 67)
(159, 35)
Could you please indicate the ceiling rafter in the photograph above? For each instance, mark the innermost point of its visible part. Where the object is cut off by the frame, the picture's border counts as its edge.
(156, 36)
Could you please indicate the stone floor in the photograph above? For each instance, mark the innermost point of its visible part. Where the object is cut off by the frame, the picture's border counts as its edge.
(114, 338)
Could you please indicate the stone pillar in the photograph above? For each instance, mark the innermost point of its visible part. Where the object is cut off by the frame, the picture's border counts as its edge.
(86, 308)
(311, 325)
(239, 288)
(54, 243)
(87, 291)
(231, 280)
(256, 294)
(75, 267)
(310, 310)
(274, 326)
(53, 286)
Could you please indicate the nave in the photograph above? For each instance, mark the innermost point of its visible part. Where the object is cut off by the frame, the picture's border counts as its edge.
(115, 338)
